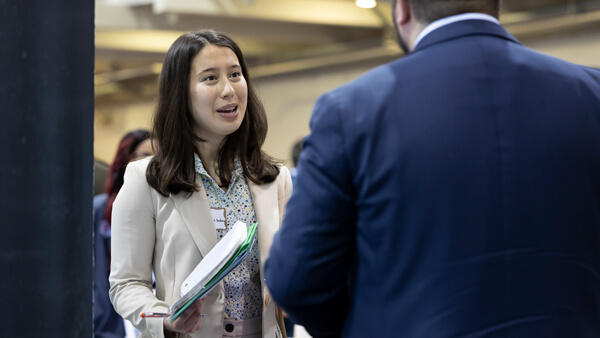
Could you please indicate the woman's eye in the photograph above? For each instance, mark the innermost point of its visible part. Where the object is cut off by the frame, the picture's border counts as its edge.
(210, 78)
(236, 74)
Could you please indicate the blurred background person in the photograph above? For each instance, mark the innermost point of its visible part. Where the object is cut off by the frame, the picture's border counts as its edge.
(134, 145)
(296, 150)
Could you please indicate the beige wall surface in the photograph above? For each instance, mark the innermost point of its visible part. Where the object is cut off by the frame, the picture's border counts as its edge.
(290, 99)
(110, 124)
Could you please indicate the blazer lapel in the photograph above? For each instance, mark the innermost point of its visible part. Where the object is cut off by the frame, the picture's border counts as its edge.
(266, 208)
(195, 212)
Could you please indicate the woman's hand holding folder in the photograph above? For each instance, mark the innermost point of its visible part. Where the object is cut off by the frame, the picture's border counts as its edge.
(189, 321)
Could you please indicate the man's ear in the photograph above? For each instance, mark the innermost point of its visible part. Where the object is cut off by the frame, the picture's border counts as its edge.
(402, 12)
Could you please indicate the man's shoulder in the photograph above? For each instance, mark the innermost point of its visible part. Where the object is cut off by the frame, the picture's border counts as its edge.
(378, 76)
(592, 73)
(562, 70)
(370, 87)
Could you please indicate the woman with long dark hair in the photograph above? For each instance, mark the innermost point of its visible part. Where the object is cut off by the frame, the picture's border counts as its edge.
(209, 171)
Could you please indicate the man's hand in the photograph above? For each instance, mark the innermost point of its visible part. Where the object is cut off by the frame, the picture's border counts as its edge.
(189, 321)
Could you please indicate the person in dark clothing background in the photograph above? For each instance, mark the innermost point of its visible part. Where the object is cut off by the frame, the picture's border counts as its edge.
(134, 145)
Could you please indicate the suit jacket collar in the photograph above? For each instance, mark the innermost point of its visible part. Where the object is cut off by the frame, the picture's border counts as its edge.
(462, 29)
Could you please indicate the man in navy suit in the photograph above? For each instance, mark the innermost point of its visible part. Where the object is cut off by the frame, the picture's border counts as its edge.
(454, 192)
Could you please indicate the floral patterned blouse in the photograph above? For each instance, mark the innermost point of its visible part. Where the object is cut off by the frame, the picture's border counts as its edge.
(243, 297)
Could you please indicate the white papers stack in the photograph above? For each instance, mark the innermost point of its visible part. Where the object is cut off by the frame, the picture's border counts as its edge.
(229, 252)
(215, 259)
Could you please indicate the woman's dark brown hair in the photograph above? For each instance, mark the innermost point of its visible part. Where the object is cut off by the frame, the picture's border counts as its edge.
(172, 169)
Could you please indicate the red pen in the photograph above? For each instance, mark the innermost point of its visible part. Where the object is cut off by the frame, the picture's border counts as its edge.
(160, 315)
(154, 315)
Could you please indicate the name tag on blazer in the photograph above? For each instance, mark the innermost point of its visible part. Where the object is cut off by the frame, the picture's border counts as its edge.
(219, 218)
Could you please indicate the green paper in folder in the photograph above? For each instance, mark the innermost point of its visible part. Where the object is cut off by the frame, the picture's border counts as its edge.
(226, 266)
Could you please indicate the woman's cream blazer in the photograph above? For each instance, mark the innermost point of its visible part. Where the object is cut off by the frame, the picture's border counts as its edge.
(172, 234)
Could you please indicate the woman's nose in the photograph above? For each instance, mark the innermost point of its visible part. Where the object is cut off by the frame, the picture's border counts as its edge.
(227, 89)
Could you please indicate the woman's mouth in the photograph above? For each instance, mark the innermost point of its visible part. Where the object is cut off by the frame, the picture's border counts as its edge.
(228, 111)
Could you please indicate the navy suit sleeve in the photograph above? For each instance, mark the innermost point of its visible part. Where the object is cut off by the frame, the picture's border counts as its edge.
(308, 272)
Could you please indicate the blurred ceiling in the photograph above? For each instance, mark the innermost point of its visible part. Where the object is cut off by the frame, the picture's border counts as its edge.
(282, 36)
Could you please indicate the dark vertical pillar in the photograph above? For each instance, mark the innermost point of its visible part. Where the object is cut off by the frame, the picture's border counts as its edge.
(46, 167)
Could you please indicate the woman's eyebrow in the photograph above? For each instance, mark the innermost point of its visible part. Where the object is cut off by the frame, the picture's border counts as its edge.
(213, 69)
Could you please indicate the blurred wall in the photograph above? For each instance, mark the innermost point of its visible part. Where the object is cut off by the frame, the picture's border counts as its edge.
(289, 99)
(110, 124)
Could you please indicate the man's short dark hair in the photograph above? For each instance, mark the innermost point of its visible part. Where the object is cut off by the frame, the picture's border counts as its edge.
(428, 11)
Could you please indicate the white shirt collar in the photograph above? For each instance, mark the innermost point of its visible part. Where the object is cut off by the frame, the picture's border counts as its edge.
(452, 19)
